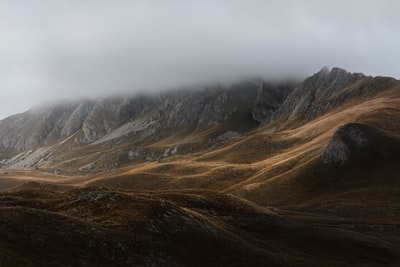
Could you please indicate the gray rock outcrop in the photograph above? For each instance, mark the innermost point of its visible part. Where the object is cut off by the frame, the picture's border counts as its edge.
(91, 120)
(269, 99)
(346, 140)
(315, 95)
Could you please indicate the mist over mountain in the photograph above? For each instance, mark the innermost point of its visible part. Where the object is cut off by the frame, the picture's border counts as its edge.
(199, 133)
(45, 133)
(73, 49)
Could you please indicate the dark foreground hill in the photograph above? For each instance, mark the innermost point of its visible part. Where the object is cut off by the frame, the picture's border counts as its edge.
(59, 226)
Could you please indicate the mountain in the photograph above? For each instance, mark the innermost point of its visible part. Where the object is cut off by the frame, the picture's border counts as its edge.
(40, 137)
(46, 137)
(139, 120)
(257, 173)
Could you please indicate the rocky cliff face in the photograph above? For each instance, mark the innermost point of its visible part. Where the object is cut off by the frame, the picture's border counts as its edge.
(306, 100)
(91, 120)
(105, 115)
(249, 102)
(319, 93)
(37, 126)
(269, 99)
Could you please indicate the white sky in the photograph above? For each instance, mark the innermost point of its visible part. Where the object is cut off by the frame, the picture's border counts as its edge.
(51, 49)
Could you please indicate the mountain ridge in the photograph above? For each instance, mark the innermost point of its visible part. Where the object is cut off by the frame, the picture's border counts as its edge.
(239, 108)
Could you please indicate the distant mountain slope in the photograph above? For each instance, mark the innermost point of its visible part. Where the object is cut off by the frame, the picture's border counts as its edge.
(207, 114)
(140, 117)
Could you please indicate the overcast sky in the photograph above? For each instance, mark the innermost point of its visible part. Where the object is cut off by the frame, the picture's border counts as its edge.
(51, 49)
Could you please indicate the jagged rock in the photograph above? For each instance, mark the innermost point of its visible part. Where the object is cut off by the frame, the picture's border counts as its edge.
(77, 118)
(346, 140)
(269, 98)
(170, 151)
(141, 114)
(133, 154)
(38, 126)
(314, 95)
(228, 135)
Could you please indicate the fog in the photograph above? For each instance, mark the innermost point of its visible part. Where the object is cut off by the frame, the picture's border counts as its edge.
(86, 48)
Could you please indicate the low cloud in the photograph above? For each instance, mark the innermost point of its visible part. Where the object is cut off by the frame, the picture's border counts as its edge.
(70, 48)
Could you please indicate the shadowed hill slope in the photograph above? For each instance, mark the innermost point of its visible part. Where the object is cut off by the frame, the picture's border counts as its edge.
(102, 227)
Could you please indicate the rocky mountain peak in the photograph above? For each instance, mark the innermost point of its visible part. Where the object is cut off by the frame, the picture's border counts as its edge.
(314, 95)
(324, 70)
